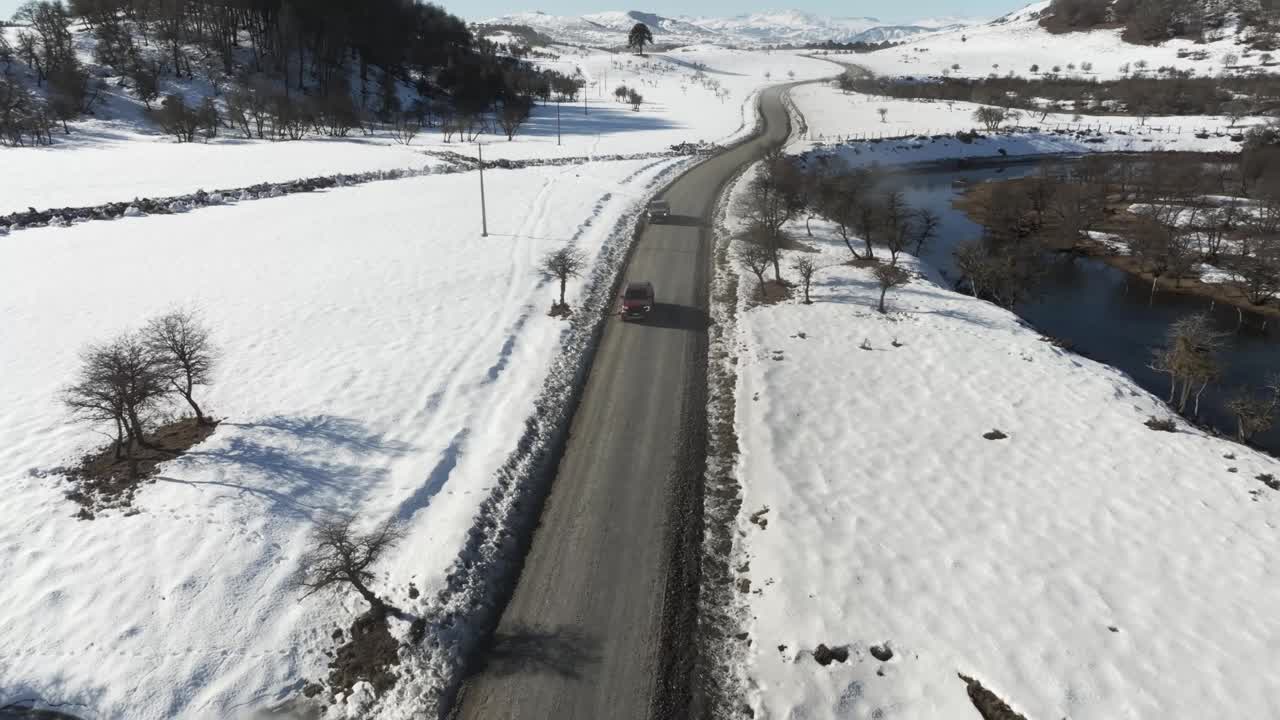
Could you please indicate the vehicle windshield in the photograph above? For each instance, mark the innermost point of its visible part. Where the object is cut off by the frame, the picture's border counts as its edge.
(637, 294)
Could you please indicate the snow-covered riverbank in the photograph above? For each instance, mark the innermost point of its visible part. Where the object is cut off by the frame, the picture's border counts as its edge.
(1082, 565)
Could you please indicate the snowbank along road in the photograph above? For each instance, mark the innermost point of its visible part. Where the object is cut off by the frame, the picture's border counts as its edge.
(600, 621)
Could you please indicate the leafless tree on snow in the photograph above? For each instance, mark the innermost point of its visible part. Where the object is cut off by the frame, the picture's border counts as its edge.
(562, 264)
(184, 354)
(339, 556)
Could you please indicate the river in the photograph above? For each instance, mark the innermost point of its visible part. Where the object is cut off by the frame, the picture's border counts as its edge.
(1103, 311)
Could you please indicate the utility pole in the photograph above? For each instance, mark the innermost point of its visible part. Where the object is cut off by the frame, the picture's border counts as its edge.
(484, 217)
(557, 123)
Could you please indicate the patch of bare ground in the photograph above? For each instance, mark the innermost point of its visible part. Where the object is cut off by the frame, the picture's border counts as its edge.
(989, 706)
(106, 479)
(774, 293)
(368, 655)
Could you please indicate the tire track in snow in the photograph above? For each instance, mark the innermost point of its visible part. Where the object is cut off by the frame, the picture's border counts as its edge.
(454, 393)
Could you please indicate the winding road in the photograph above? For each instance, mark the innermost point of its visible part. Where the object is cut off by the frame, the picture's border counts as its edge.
(600, 624)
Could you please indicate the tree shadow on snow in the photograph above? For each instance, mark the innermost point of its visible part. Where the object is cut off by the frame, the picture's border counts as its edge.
(54, 696)
(288, 462)
(865, 293)
(600, 121)
(330, 430)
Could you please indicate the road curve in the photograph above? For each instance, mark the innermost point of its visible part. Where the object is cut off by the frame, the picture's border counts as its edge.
(591, 628)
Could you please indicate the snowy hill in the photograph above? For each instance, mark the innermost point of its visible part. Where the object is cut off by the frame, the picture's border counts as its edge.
(1018, 43)
(763, 28)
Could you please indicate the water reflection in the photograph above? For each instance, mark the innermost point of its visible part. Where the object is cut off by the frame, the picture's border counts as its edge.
(1101, 310)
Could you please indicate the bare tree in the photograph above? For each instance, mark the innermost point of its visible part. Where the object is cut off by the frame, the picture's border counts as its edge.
(1235, 110)
(1006, 274)
(896, 220)
(561, 265)
(339, 556)
(513, 114)
(989, 117)
(754, 253)
(889, 276)
(635, 99)
(839, 197)
(772, 199)
(122, 383)
(805, 267)
(1216, 226)
(867, 215)
(1162, 250)
(1255, 414)
(184, 354)
(883, 112)
(407, 126)
(1190, 358)
(179, 119)
(926, 228)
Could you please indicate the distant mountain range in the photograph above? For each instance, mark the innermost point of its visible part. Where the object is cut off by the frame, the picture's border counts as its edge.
(764, 28)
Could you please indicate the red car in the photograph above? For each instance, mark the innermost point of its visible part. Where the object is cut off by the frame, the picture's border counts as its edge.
(637, 300)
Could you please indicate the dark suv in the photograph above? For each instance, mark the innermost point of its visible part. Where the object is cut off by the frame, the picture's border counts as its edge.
(637, 300)
(659, 211)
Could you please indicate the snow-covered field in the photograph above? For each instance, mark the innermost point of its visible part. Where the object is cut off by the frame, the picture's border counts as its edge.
(831, 114)
(120, 156)
(380, 358)
(1083, 567)
(844, 123)
(1016, 42)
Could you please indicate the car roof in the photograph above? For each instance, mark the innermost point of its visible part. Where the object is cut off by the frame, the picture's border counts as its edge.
(659, 202)
(639, 285)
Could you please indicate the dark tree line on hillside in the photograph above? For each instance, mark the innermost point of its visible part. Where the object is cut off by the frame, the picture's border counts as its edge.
(310, 45)
(1154, 21)
(830, 46)
(1174, 93)
(280, 69)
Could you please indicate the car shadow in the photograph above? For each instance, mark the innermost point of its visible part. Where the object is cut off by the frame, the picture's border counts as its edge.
(563, 651)
(676, 317)
(682, 220)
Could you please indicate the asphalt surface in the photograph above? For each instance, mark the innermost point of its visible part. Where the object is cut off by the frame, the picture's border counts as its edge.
(594, 626)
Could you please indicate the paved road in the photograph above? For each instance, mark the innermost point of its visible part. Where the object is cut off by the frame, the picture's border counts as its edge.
(583, 635)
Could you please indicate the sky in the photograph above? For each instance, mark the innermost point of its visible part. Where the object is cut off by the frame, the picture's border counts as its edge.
(884, 11)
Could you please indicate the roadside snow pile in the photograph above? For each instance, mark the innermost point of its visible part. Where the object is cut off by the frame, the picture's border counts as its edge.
(380, 358)
(943, 483)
